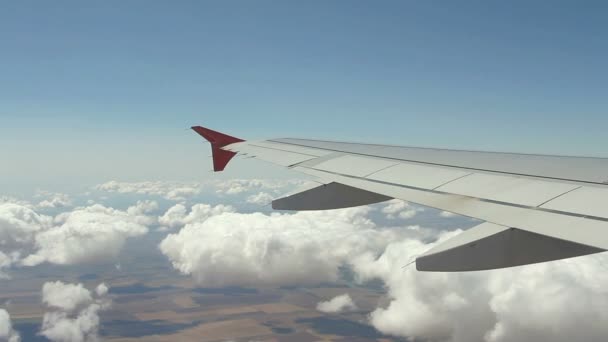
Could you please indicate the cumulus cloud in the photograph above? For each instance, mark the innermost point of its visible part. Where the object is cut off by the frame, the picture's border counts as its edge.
(87, 235)
(337, 304)
(7, 333)
(446, 214)
(399, 209)
(102, 289)
(19, 226)
(178, 215)
(182, 191)
(252, 249)
(239, 186)
(140, 212)
(174, 191)
(261, 198)
(53, 200)
(74, 311)
(570, 302)
(66, 297)
(5, 262)
(14, 200)
(558, 301)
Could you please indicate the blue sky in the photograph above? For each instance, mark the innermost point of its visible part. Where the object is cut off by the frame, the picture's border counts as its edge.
(93, 91)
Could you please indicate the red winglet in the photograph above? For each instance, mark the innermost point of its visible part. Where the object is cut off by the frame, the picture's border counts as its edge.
(218, 140)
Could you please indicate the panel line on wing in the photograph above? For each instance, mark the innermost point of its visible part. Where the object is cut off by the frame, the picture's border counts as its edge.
(452, 180)
(560, 195)
(382, 169)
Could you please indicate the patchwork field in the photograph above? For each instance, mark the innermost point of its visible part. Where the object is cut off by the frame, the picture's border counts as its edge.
(156, 304)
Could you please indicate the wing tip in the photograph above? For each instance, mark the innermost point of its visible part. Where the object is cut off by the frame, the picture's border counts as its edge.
(218, 140)
(215, 137)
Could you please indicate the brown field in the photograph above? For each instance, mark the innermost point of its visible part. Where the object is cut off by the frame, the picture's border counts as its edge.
(275, 308)
(211, 332)
(185, 312)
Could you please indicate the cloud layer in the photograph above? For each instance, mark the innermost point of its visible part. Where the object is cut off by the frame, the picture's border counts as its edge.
(569, 298)
(399, 209)
(219, 246)
(178, 215)
(53, 200)
(240, 186)
(175, 191)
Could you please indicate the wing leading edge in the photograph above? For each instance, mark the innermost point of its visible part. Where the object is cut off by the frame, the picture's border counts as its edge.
(536, 208)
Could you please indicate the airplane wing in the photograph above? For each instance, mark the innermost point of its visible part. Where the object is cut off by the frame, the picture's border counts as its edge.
(535, 208)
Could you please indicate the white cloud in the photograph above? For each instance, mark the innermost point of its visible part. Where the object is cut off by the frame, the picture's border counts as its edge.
(102, 289)
(86, 235)
(181, 191)
(559, 301)
(175, 191)
(53, 200)
(66, 297)
(7, 333)
(74, 315)
(5, 262)
(239, 186)
(562, 301)
(141, 212)
(423, 305)
(251, 249)
(261, 198)
(13, 200)
(178, 216)
(446, 214)
(399, 209)
(19, 226)
(337, 304)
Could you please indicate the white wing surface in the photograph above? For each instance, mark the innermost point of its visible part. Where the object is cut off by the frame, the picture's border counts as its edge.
(536, 208)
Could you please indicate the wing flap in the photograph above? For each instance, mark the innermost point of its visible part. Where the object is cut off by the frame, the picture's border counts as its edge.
(328, 196)
(490, 246)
